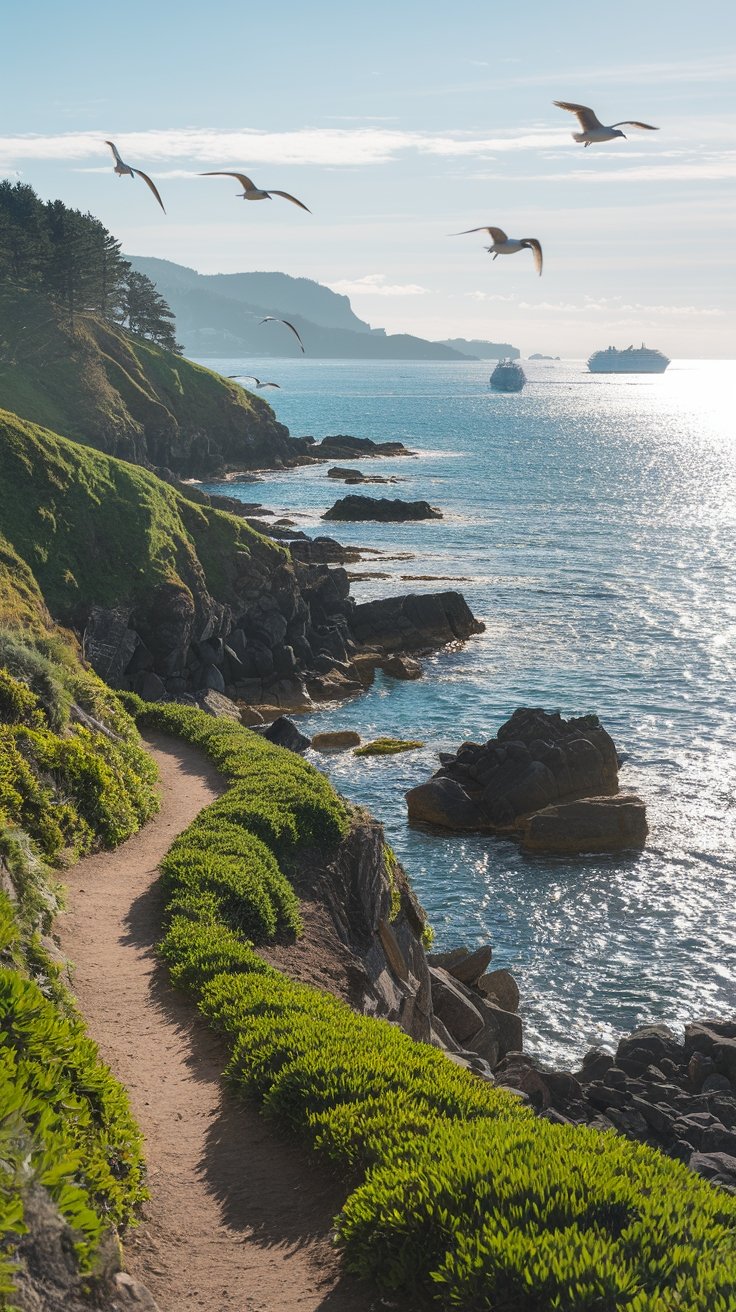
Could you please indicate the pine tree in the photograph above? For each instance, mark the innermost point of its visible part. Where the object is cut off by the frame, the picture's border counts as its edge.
(148, 314)
(71, 259)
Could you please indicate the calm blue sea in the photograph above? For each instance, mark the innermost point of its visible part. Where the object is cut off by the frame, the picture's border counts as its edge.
(590, 522)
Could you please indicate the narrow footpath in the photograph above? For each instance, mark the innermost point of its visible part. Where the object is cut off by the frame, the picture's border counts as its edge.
(239, 1218)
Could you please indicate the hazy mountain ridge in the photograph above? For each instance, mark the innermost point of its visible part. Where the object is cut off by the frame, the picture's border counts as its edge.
(477, 349)
(219, 315)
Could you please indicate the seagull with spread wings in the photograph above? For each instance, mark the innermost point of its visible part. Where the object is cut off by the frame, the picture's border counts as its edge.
(251, 378)
(251, 191)
(503, 245)
(124, 170)
(270, 318)
(593, 129)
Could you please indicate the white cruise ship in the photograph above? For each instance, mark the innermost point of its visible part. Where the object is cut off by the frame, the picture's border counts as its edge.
(634, 360)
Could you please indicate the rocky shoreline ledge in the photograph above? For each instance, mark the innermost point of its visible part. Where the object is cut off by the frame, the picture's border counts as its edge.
(297, 638)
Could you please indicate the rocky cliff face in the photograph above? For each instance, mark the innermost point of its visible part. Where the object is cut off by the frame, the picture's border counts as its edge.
(364, 939)
(292, 635)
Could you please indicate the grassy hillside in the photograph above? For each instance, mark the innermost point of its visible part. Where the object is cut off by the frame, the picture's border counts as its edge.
(126, 396)
(81, 528)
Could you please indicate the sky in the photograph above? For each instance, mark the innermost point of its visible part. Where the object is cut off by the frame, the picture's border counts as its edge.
(399, 123)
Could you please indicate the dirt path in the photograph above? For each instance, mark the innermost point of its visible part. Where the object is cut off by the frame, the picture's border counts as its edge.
(239, 1218)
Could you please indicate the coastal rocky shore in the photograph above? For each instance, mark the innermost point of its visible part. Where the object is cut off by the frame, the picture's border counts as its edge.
(300, 638)
(365, 940)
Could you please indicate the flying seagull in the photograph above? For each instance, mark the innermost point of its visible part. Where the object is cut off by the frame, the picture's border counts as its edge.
(124, 170)
(503, 245)
(593, 129)
(252, 192)
(252, 377)
(270, 318)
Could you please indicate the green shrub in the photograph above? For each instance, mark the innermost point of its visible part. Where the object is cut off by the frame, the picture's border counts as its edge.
(521, 1216)
(65, 1119)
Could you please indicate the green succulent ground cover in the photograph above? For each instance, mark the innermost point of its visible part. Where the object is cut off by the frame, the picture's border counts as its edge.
(459, 1197)
(65, 788)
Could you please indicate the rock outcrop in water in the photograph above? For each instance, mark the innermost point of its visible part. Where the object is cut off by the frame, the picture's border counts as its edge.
(551, 781)
(342, 446)
(415, 622)
(383, 510)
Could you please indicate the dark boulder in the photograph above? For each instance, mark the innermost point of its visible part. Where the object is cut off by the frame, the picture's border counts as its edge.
(284, 733)
(592, 824)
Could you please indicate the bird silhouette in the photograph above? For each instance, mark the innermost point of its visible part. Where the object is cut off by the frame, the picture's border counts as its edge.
(503, 245)
(270, 318)
(251, 191)
(124, 170)
(253, 378)
(595, 131)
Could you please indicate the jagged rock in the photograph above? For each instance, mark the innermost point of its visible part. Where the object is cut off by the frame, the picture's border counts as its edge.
(593, 824)
(469, 967)
(595, 1064)
(401, 667)
(652, 1041)
(215, 703)
(394, 955)
(446, 959)
(389, 962)
(131, 1296)
(357, 476)
(718, 1167)
(284, 733)
(501, 986)
(341, 446)
(453, 1006)
(505, 1026)
(517, 1071)
(149, 686)
(535, 760)
(338, 740)
(249, 716)
(414, 622)
(109, 643)
(386, 510)
(323, 551)
(333, 687)
(442, 802)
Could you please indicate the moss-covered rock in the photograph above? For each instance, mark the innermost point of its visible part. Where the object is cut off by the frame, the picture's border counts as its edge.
(387, 746)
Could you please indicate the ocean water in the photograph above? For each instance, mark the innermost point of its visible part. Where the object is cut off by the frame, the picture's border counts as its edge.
(590, 521)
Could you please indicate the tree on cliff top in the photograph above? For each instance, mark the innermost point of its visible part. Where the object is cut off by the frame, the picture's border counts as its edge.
(71, 259)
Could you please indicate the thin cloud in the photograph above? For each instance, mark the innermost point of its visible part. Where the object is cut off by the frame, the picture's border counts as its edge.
(326, 146)
(375, 284)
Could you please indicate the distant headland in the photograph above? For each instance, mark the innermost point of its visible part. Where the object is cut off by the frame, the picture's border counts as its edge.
(219, 315)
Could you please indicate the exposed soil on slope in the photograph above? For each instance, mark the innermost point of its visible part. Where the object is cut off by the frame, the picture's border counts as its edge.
(240, 1217)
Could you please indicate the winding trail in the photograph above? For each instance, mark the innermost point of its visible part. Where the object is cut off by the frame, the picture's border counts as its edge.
(239, 1217)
